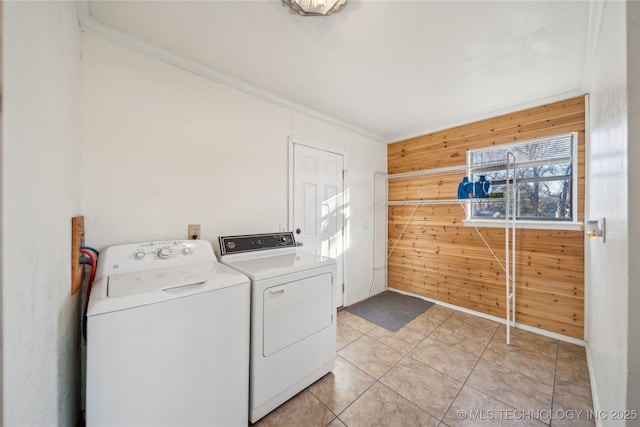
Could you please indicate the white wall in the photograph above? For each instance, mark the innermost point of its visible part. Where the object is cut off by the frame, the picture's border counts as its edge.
(608, 263)
(164, 147)
(1, 133)
(633, 147)
(40, 194)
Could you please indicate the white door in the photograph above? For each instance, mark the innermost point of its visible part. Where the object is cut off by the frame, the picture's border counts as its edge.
(318, 205)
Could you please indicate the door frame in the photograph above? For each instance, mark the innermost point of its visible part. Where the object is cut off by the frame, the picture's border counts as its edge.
(290, 201)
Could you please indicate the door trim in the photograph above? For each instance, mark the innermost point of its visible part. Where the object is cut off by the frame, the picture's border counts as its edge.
(290, 201)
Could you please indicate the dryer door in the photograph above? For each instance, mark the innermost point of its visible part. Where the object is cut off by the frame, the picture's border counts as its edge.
(296, 310)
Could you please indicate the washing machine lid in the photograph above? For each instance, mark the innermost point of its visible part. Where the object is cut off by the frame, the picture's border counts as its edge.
(133, 289)
(277, 263)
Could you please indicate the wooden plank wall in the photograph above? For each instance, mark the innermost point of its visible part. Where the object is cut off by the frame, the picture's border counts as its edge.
(438, 257)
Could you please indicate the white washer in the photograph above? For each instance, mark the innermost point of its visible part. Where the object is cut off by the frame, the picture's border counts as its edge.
(293, 318)
(167, 338)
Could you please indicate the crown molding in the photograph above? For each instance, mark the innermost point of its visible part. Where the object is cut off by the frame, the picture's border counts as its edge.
(98, 29)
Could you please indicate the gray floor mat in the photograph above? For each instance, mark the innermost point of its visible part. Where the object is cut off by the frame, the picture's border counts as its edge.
(389, 309)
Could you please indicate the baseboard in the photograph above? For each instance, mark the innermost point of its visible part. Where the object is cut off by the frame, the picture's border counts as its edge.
(554, 335)
(592, 380)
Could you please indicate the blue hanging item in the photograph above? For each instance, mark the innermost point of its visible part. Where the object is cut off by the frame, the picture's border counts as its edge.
(481, 188)
(465, 188)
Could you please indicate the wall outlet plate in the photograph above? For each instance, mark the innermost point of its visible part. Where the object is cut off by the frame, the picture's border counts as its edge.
(194, 232)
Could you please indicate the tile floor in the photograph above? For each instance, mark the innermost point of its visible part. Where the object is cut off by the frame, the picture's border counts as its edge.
(444, 368)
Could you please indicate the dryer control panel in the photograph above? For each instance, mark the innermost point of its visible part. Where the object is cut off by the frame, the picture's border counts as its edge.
(256, 242)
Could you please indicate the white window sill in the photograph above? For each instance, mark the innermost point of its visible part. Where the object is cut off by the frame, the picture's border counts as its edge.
(542, 225)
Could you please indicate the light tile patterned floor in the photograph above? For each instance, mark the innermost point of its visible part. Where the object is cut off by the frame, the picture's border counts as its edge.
(444, 368)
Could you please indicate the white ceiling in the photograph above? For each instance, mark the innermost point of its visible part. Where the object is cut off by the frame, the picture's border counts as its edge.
(388, 69)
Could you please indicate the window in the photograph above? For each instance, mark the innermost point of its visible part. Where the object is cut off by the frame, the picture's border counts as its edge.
(544, 175)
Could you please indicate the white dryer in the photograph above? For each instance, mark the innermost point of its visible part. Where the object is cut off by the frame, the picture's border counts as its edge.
(167, 338)
(293, 317)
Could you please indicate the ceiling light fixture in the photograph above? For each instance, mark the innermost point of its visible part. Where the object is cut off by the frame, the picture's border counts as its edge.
(314, 7)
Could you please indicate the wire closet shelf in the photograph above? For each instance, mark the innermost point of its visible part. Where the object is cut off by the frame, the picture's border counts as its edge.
(510, 200)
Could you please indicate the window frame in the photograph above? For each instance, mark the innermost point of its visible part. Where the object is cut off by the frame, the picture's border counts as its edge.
(548, 223)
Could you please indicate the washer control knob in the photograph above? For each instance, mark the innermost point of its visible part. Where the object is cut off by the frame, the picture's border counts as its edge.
(164, 253)
(283, 239)
(140, 254)
(187, 251)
